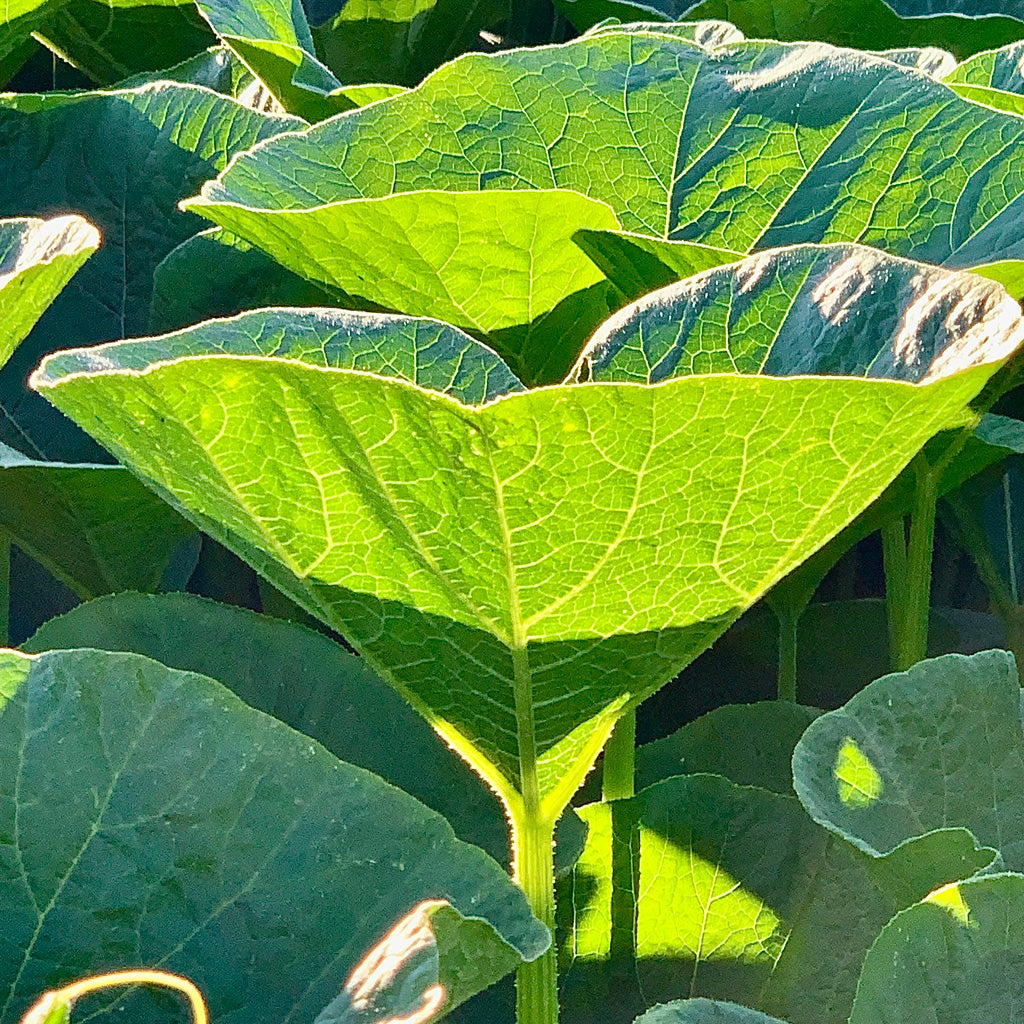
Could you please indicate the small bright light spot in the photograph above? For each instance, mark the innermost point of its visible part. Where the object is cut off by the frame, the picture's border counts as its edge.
(951, 899)
(858, 780)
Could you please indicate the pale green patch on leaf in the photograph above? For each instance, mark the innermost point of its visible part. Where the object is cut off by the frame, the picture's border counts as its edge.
(500, 265)
(245, 856)
(739, 896)
(37, 259)
(946, 742)
(857, 781)
(927, 966)
(951, 898)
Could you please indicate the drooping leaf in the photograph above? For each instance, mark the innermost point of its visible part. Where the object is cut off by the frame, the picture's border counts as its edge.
(741, 896)
(37, 258)
(94, 527)
(272, 39)
(750, 146)
(215, 274)
(961, 27)
(498, 264)
(749, 744)
(954, 957)
(155, 818)
(823, 309)
(704, 1011)
(904, 756)
(123, 159)
(445, 541)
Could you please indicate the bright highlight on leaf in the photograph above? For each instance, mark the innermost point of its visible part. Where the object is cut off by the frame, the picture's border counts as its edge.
(950, 897)
(857, 779)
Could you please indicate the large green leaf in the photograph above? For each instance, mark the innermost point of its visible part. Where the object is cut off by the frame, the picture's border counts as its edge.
(444, 541)
(153, 818)
(704, 1011)
(962, 27)
(300, 677)
(498, 264)
(123, 159)
(954, 958)
(94, 527)
(37, 258)
(272, 39)
(749, 146)
(904, 757)
(215, 274)
(809, 309)
(739, 896)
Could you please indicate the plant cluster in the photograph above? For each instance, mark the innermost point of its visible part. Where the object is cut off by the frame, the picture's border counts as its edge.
(533, 352)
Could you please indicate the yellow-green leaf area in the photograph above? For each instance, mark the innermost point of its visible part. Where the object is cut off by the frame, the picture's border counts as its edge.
(951, 898)
(858, 780)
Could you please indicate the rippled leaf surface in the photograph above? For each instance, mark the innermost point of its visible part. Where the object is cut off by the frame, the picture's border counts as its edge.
(155, 818)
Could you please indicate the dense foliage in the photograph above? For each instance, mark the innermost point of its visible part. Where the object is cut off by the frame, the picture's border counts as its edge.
(554, 384)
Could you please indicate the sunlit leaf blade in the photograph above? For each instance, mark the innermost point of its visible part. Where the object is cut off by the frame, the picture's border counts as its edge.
(215, 274)
(704, 1011)
(864, 24)
(994, 69)
(37, 258)
(749, 744)
(742, 897)
(754, 145)
(827, 309)
(932, 60)
(157, 819)
(956, 956)
(398, 41)
(94, 527)
(20, 19)
(903, 757)
(216, 67)
(123, 160)
(446, 542)
(709, 33)
(498, 264)
(361, 95)
(112, 41)
(272, 39)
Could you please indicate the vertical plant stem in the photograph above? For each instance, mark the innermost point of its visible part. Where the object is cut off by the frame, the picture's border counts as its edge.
(789, 618)
(894, 560)
(617, 769)
(5, 588)
(537, 982)
(912, 633)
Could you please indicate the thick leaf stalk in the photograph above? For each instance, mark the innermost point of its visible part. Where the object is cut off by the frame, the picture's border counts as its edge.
(534, 870)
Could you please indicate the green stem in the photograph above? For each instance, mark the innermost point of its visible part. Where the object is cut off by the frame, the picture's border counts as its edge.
(912, 631)
(894, 560)
(534, 870)
(617, 770)
(5, 588)
(788, 620)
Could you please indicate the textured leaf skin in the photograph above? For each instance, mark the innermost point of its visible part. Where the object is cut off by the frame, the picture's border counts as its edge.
(122, 159)
(863, 24)
(704, 1011)
(500, 265)
(157, 819)
(742, 897)
(673, 137)
(944, 739)
(37, 258)
(442, 556)
(215, 274)
(954, 958)
(823, 309)
(96, 528)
